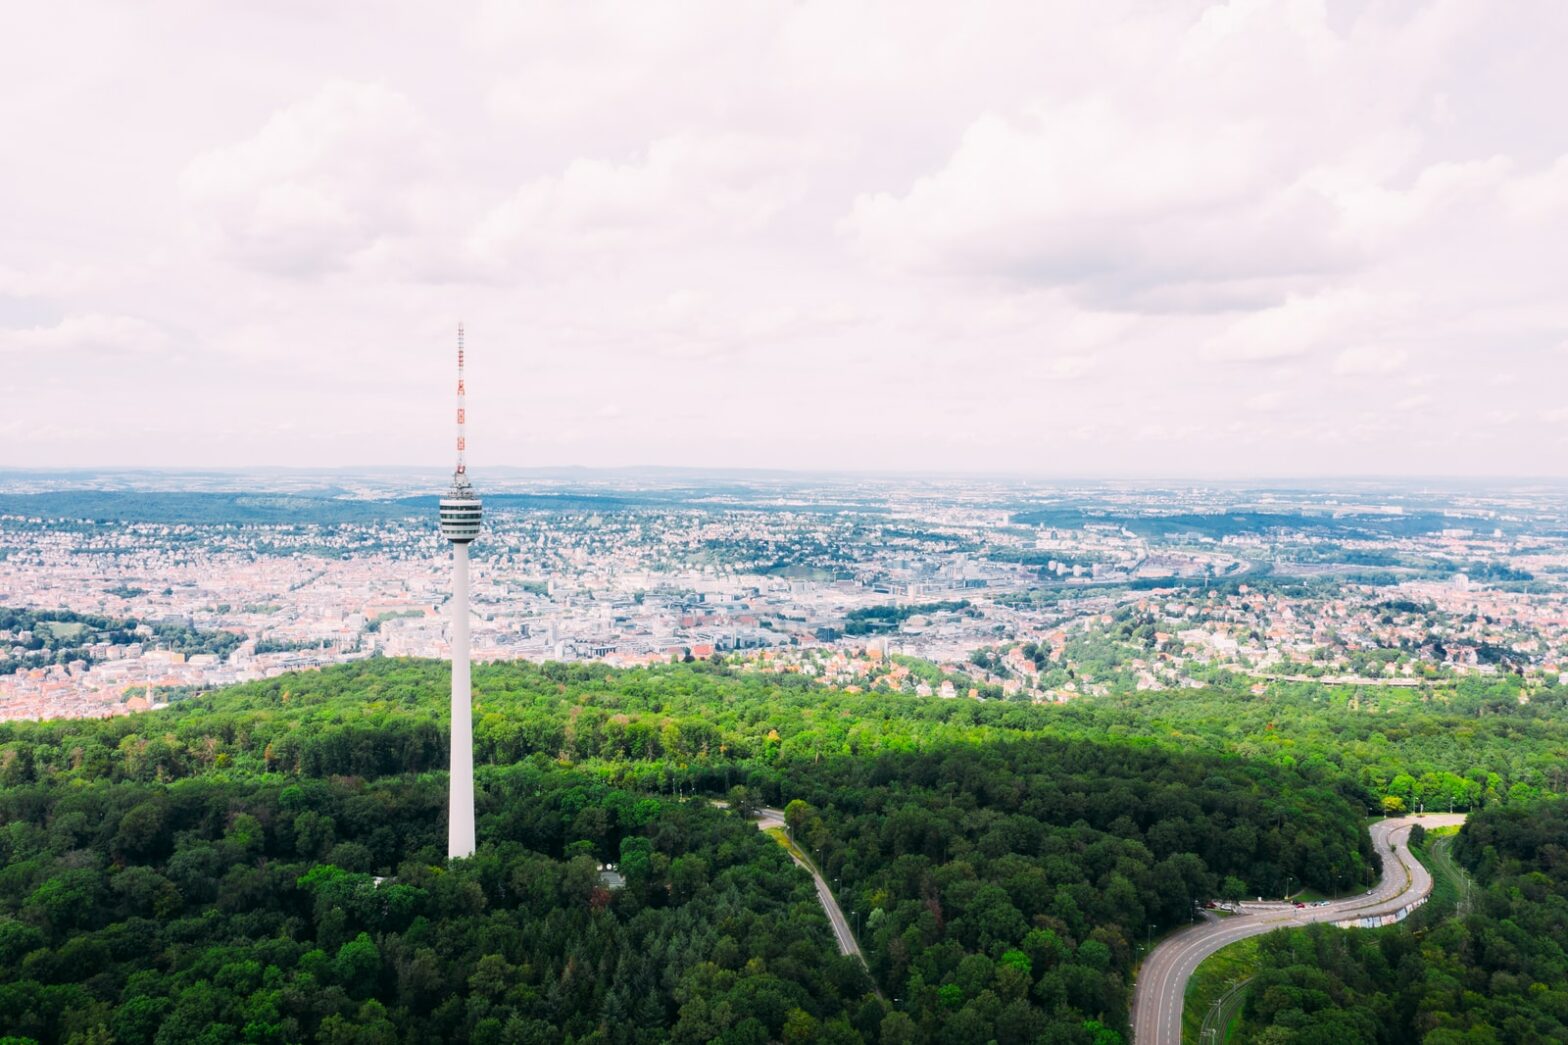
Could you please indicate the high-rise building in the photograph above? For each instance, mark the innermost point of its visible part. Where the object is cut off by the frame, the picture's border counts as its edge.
(460, 515)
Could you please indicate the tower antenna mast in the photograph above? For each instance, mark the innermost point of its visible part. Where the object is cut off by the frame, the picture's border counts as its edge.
(462, 413)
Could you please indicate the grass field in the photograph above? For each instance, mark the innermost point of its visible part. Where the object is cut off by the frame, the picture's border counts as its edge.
(781, 836)
(1214, 978)
(1449, 880)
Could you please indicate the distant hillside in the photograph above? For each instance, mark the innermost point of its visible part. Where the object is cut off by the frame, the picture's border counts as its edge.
(125, 506)
(1225, 524)
(108, 506)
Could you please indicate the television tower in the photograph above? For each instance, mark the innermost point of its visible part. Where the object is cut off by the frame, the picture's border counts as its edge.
(460, 514)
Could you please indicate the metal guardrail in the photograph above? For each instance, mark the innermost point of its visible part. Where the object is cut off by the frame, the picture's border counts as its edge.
(1377, 921)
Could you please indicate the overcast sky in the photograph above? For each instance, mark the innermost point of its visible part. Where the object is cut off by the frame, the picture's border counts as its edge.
(1104, 238)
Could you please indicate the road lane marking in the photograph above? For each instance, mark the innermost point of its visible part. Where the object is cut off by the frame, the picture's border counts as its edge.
(1190, 946)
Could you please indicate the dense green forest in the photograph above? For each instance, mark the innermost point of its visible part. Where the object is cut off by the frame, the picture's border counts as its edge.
(266, 862)
(222, 910)
(1007, 889)
(1496, 973)
(1465, 744)
(694, 725)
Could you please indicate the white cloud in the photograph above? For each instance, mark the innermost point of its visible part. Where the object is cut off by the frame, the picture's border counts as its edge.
(684, 188)
(1069, 368)
(1409, 404)
(1023, 222)
(1295, 328)
(1201, 174)
(1540, 196)
(323, 181)
(45, 281)
(1379, 213)
(1138, 212)
(92, 334)
(1361, 360)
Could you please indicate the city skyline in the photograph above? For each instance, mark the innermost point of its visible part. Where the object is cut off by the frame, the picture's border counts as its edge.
(286, 580)
(1202, 240)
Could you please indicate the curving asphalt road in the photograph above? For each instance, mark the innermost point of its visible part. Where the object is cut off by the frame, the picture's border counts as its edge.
(847, 944)
(1162, 981)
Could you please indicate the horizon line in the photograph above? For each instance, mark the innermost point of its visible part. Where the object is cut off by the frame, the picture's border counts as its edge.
(784, 472)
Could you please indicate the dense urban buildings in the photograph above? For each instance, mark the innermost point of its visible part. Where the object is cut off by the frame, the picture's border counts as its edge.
(126, 598)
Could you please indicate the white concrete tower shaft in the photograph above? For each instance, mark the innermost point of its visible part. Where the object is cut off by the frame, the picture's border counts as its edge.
(460, 814)
(461, 513)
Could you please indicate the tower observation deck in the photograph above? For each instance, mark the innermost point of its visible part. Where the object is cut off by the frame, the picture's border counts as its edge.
(460, 513)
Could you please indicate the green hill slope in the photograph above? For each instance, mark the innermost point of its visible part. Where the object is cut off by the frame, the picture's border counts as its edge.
(266, 863)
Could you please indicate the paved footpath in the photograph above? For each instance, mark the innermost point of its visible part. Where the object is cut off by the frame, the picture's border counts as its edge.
(1162, 981)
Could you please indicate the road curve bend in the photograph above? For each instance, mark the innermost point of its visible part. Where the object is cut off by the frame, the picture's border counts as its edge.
(847, 944)
(1162, 981)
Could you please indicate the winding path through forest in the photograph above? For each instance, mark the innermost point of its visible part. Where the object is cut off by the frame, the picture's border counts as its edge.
(769, 819)
(1162, 981)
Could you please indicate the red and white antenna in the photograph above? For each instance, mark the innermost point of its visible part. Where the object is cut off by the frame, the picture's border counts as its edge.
(462, 410)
